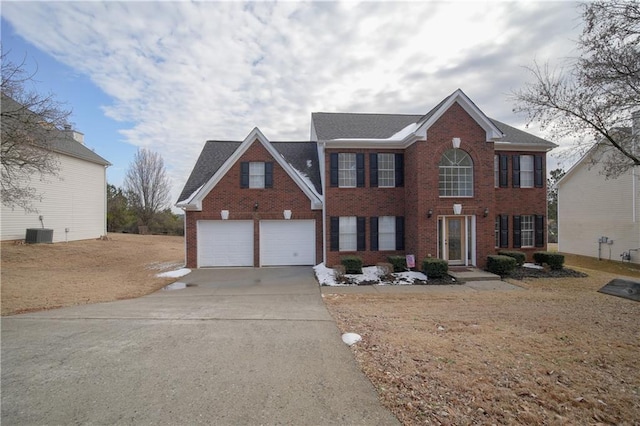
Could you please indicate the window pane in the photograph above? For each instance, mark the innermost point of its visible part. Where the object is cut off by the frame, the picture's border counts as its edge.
(497, 231)
(256, 175)
(386, 170)
(456, 174)
(347, 170)
(496, 171)
(387, 233)
(526, 231)
(348, 234)
(526, 171)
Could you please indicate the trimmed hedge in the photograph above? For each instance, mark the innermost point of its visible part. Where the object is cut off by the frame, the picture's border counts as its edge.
(434, 268)
(500, 264)
(519, 256)
(554, 260)
(352, 264)
(399, 263)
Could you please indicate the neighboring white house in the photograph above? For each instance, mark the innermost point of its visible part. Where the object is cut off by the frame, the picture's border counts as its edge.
(74, 203)
(600, 217)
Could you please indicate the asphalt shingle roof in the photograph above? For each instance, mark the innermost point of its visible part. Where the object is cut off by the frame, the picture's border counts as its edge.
(56, 140)
(303, 156)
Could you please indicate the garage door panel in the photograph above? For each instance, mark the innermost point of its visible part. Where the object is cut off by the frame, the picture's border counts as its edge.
(225, 243)
(287, 242)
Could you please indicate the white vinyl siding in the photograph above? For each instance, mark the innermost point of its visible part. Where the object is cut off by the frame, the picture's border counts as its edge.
(387, 233)
(590, 207)
(526, 171)
(73, 204)
(386, 170)
(347, 170)
(527, 230)
(348, 233)
(256, 175)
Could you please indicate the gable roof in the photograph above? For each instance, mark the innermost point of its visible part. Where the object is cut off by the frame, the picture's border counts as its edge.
(356, 126)
(298, 159)
(56, 140)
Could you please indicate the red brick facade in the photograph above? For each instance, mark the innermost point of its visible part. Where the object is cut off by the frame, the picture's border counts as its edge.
(420, 194)
(425, 213)
(228, 195)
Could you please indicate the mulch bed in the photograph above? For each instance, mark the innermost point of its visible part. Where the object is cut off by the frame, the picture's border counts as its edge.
(522, 272)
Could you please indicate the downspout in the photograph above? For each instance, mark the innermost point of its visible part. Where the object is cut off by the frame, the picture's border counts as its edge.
(106, 208)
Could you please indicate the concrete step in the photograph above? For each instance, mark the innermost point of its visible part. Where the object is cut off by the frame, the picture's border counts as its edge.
(468, 274)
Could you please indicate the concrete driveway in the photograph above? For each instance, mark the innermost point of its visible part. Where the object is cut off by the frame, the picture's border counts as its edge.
(236, 346)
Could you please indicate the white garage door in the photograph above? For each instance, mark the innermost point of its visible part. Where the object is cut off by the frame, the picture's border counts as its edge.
(225, 243)
(287, 242)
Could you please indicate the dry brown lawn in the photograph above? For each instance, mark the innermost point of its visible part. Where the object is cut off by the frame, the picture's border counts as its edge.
(46, 276)
(557, 352)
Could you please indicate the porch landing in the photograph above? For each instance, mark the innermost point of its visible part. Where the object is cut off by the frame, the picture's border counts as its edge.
(468, 274)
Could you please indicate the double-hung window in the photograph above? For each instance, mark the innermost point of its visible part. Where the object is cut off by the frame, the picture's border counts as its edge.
(526, 171)
(526, 230)
(496, 171)
(347, 170)
(386, 171)
(256, 174)
(348, 234)
(387, 233)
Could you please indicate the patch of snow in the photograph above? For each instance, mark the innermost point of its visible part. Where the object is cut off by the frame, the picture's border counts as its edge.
(351, 338)
(162, 266)
(404, 132)
(532, 266)
(306, 180)
(440, 328)
(408, 277)
(325, 276)
(174, 274)
(175, 286)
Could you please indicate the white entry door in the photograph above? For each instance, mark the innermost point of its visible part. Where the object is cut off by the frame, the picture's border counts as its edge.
(287, 242)
(225, 243)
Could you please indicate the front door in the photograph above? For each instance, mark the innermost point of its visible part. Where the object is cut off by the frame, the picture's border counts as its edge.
(453, 239)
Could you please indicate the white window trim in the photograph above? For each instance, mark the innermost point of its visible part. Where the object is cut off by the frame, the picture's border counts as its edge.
(347, 169)
(457, 168)
(496, 171)
(348, 233)
(386, 233)
(530, 231)
(526, 172)
(256, 171)
(392, 170)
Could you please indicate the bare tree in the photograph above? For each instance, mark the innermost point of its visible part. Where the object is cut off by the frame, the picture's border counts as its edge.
(593, 99)
(148, 185)
(30, 122)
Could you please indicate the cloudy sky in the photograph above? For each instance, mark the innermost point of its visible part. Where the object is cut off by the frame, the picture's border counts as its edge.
(170, 75)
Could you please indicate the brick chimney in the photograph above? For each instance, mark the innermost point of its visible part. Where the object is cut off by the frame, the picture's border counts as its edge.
(77, 136)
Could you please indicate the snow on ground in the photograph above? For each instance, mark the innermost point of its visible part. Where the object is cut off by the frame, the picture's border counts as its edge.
(370, 274)
(351, 338)
(174, 274)
(532, 266)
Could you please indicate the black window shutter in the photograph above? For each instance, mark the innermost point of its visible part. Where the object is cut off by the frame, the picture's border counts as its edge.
(504, 231)
(244, 174)
(335, 233)
(399, 170)
(504, 171)
(373, 167)
(268, 175)
(361, 223)
(538, 172)
(399, 232)
(517, 240)
(539, 230)
(333, 168)
(516, 171)
(360, 170)
(373, 224)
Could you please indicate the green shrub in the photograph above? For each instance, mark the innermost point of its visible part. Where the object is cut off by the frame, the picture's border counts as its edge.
(434, 268)
(500, 264)
(554, 260)
(399, 263)
(519, 256)
(352, 264)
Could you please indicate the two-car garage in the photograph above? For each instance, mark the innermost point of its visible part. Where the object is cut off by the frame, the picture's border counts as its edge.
(231, 242)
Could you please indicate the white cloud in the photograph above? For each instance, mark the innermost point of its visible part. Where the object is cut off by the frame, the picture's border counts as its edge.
(187, 72)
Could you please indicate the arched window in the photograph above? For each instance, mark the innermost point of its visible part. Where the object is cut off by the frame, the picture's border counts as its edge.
(456, 174)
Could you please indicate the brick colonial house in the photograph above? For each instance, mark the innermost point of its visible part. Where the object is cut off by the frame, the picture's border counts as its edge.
(452, 184)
